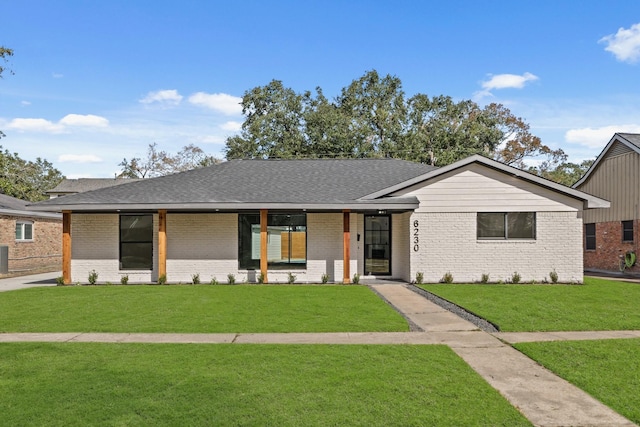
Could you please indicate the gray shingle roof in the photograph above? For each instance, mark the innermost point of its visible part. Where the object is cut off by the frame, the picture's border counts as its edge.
(309, 181)
(632, 138)
(8, 202)
(87, 184)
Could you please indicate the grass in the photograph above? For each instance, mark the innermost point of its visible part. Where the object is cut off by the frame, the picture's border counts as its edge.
(597, 305)
(197, 309)
(75, 384)
(606, 369)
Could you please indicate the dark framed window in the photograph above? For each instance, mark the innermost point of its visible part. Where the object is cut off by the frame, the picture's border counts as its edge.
(286, 241)
(627, 231)
(506, 225)
(136, 242)
(590, 236)
(24, 230)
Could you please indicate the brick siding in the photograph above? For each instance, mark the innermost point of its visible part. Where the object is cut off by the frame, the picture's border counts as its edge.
(42, 253)
(610, 247)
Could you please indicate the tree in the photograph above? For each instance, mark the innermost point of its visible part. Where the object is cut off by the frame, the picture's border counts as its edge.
(5, 53)
(160, 163)
(26, 180)
(565, 173)
(371, 118)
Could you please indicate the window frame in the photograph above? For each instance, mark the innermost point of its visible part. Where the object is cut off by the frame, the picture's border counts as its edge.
(626, 230)
(122, 243)
(504, 235)
(248, 221)
(23, 226)
(590, 242)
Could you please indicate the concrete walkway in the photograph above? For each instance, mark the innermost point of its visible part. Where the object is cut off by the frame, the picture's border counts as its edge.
(544, 398)
(31, 281)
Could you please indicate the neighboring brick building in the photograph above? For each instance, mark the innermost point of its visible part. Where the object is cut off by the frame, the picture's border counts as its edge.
(610, 234)
(332, 218)
(34, 239)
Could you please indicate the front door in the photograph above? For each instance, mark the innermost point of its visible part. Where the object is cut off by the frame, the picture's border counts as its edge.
(377, 244)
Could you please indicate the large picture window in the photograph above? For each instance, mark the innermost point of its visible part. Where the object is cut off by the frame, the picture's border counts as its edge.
(136, 242)
(506, 225)
(286, 241)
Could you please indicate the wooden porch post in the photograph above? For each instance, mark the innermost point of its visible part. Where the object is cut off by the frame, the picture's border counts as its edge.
(346, 245)
(66, 247)
(263, 245)
(162, 243)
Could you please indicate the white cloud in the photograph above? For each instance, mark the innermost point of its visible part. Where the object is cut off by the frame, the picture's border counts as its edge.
(504, 81)
(35, 125)
(231, 126)
(625, 44)
(25, 103)
(89, 120)
(221, 102)
(598, 137)
(79, 158)
(166, 97)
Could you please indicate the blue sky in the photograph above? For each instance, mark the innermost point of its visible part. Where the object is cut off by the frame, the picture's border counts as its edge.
(96, 81)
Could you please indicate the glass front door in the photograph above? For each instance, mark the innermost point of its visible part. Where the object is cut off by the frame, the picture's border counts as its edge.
(377, 244)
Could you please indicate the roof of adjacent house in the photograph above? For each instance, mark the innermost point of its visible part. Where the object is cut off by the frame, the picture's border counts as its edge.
(72, 186)
(16, 207)
(313, 184)
(629, 140)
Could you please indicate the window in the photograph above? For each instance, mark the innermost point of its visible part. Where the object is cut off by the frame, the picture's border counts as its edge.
(506, 225)
(590, 237)
(136, 242)
(627, 231)
(286, 241)
(24, 230)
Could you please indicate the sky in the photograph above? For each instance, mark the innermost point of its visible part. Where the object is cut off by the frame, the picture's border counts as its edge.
(94, 82)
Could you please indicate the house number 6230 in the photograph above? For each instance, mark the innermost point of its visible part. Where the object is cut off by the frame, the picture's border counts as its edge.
(416, 237)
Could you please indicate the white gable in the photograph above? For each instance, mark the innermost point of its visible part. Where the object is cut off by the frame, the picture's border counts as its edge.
(477, 188)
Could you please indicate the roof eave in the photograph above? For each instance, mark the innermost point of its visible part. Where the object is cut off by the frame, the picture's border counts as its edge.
(616, 137)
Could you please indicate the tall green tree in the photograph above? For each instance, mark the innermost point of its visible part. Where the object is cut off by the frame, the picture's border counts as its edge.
(25, 179)
(5, 53)
(372, 118)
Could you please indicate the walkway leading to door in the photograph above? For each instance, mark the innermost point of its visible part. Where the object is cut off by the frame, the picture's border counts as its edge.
(544, 398)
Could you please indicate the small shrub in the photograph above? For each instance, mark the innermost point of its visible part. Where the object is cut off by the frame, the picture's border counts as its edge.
(260, 278)
(356, 279)
(419, 278)
(553, 276)
(515, 278)
(93, 277)
(231, 279)
(484, 278)
(447, 278)
(59, 281)
(124, 279)
(291, 278)
(195, 279)
(325, 278)
(162, 280)
(214, 281)
(108, 283)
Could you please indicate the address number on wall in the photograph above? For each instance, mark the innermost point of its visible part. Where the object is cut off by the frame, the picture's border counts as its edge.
(416, 236)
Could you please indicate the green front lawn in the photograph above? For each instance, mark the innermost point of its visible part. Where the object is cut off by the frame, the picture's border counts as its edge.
(597, 305)
(606, 369)
(76, 384)
(197, 309)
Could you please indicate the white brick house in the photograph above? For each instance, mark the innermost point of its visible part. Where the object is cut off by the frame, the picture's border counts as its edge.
(379, 218)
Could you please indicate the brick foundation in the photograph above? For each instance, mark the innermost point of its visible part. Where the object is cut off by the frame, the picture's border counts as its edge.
(610, 247)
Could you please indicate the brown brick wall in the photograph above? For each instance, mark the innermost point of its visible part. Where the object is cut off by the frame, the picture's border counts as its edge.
(610, 247)
(43, 253)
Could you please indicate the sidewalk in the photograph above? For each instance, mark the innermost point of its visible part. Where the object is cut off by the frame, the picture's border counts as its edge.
(22, 282)
(542, 397)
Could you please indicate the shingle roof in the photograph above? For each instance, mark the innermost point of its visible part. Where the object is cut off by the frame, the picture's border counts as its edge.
(87, 184)
(8, 202)
(300, 182)
(632, 138)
